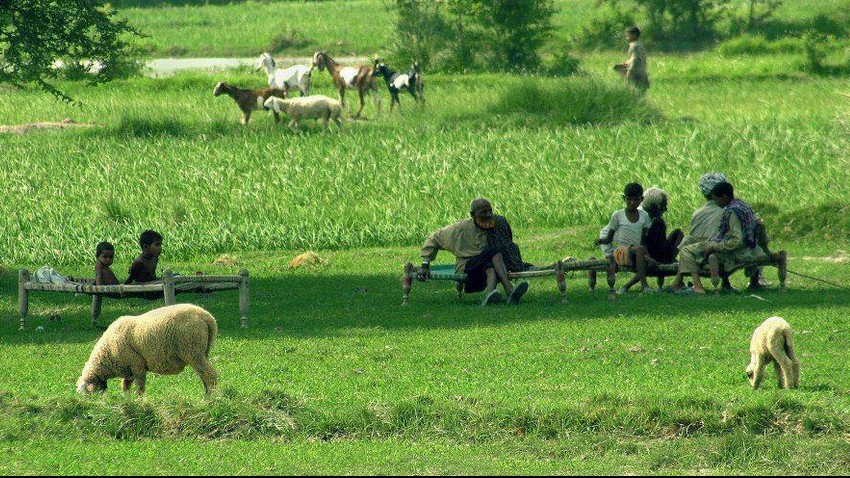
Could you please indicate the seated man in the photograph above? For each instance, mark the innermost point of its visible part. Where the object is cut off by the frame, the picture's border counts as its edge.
(482, 247)
(661, 247)
(736, 241)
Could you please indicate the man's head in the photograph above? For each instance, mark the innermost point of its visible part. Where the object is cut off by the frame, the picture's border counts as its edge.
(105, 253)
(708, 181)
(632, 33)
(151, 243)
(482, 211)
(723, 194)
(633, 195)
(655, 202)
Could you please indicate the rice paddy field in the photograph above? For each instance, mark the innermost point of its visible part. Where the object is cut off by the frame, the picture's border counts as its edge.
(333, 375)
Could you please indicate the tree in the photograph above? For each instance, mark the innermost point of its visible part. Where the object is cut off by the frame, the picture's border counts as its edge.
(34, 34)
(519, 29)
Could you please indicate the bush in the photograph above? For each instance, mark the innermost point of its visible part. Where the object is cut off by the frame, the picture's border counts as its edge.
(815, 46)
(759, 45)
(562, 64)
(288, 39)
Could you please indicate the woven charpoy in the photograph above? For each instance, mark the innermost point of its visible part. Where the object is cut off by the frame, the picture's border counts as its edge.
(166, 289)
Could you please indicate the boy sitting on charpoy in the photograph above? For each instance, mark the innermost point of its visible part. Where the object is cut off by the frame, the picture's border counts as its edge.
(143, 269)
(627, 231)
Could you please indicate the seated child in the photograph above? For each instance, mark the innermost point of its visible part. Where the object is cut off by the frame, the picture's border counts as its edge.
(143, 268)
(104, 256)
(627, 230)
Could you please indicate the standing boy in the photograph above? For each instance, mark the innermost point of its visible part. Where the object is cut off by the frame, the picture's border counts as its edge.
(634, 69)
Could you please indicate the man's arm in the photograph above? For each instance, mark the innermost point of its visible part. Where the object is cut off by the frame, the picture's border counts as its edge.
(733, 239)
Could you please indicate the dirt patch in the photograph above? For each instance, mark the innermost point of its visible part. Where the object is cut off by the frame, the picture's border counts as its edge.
(30, 127)
(308, 259)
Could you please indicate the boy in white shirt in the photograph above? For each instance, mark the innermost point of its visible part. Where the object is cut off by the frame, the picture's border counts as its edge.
(627, 231)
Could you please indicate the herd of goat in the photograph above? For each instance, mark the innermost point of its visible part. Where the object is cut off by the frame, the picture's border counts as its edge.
(364, 79)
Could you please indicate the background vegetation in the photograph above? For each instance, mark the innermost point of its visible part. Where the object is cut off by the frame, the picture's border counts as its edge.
(333, 376)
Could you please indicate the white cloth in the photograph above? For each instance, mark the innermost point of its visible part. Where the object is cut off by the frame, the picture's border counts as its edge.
(48, 275)
(627, 233)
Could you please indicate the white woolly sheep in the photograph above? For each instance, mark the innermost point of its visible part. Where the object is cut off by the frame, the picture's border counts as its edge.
(773, 342)
(307, 107)
(161, 341)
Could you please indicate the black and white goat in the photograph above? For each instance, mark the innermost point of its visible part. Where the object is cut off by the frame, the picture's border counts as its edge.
(249, 100)
(396, 82)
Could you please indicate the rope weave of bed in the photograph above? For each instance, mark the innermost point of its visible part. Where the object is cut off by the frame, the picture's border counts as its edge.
(170, 286)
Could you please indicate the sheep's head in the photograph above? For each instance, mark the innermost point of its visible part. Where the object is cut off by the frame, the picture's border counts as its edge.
(219, 88)
(90, 385)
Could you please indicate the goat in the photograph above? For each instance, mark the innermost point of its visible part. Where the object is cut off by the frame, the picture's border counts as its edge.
(359, 78)
(410, 81)
(309, 107)
(298, 76)
(249, 100)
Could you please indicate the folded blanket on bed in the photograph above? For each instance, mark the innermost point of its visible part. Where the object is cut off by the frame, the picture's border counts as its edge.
(48, 275)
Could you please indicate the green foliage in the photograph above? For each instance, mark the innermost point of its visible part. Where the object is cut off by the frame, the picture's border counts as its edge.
(35, 33)
(606, 28)
(464, 35)
(681, 23)
(759, 45)
(815, 46)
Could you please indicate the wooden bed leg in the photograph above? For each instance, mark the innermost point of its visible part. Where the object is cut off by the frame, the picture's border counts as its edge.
(244, 287)
(23, 296)
(562, 282)
(612, 280)
(591, 278)
(168, 287)
(714, 270)
(96, 305)
(783, 269)
(459, 289)
(406, 284)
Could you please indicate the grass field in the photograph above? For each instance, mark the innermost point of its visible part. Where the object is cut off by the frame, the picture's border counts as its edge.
(185, 28)
(333, 376)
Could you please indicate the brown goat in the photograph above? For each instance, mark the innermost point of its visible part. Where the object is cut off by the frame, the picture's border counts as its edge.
(249, 100)
(360, 78)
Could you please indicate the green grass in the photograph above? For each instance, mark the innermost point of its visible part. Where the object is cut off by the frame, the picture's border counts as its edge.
(334, 376)
(364, 27)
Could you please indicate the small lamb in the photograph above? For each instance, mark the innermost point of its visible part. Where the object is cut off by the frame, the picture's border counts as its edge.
(307, 107)
(249, 100)
(161, 341)
(773, 342)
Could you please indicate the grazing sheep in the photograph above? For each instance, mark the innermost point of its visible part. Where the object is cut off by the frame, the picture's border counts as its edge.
(308, 107)
(773, 342)
(161, 341)
(249, 100)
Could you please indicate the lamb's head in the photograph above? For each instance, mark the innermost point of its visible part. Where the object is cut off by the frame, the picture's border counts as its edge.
(219, 88)
(265, 60)
(755, 374)
(274, 104)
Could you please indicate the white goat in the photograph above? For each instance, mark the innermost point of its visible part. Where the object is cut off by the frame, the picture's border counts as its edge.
(298, 76)
(310, 107)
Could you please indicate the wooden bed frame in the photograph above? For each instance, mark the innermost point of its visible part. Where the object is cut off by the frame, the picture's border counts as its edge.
(169, 287)
(560, 268)
(557, 269)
